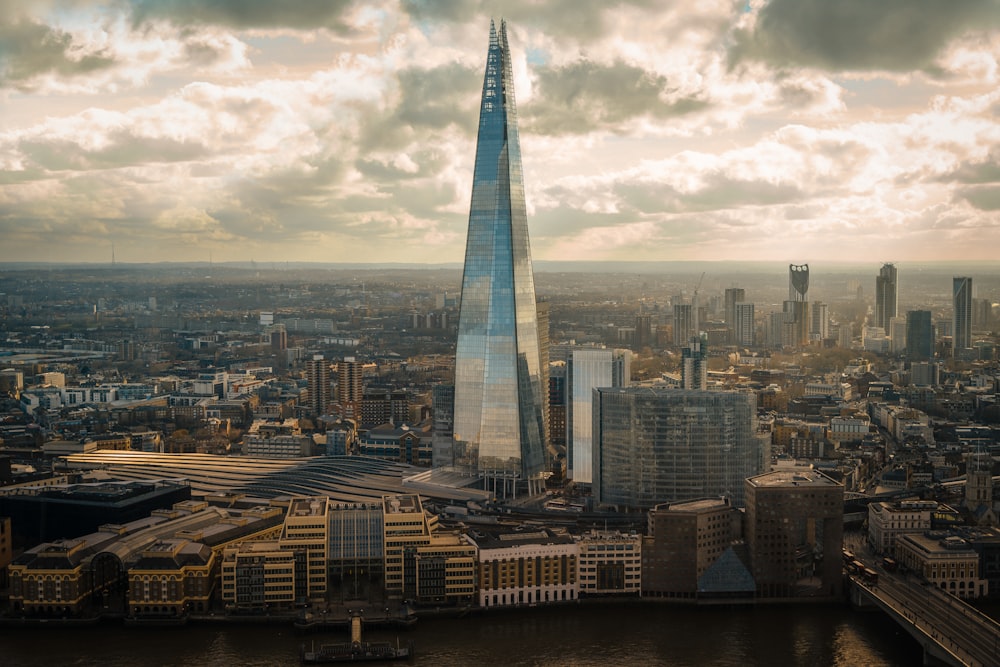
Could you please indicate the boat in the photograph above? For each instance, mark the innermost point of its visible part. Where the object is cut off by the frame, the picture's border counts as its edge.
(355, 650)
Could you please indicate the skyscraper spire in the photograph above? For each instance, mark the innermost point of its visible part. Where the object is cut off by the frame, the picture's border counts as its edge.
(498, 393)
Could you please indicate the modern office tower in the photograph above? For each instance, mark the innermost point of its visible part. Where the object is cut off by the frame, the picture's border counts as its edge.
(795, 330)
(798, 282)
(885, 296)
(498, 378)
(684, 325)
(318, 379)
(919, 335)
(588, 369)
(897, 335)
(558, 397)
(733, 296)
(925, 373)
(643, 331)
(542, 309)
(655, 445)
(744, 325)
(350, 388)
(819, 328)
(982, 312)
(961, 315)
(442, 439)
(694, 365)
(794, 530)
(356, 542)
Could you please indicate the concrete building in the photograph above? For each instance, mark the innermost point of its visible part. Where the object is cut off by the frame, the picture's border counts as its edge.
(683, 540)
(745, 328)
(307, 529)
(318, 379)
(888, 520)
(794, 531)
(919, 335)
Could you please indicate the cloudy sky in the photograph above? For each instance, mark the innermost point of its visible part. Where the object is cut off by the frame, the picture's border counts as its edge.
(790, 130)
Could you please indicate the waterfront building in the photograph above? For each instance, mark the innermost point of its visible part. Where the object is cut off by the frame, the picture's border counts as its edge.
(684, 540)
(499, 417)
(307, 529)
(656, 444)
(525, 567)
(961, 315)
(609, 563)
(6, 549)
(588, 368)
(422, 562)
(919, 335)
(356, 535)
(888, 520)
(171, 578)
(944, 559)
(794, 530)
(261, 575)
(885, 297)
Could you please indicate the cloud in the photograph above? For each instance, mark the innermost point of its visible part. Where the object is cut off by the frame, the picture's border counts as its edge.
(586, 96)
(983, 197)
(29, 49)
(241, 14)
(893, 35)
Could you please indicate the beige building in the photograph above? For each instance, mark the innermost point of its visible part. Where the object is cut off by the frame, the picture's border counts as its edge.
(526, 567)
(887, 521)
(307, 529)
(172, 577)
(946, 561)
(262, 575)
(610, 563)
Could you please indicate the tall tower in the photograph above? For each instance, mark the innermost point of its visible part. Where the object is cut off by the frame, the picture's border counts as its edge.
(498, 390)
(961, 315)
(798, 282)
(885, 296)
(919, 335)
(733, 296)
(588, 369)
(318, 379)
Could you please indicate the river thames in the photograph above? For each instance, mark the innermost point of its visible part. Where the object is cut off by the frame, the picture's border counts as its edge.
(585, 636)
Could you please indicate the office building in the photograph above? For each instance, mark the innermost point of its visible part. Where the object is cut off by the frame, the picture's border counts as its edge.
(819, 328)
(919, 335)
(609, 563)
(442, 440)
(655, 445)
(498, 378)
(888, 520)
(945, 560)
(684, 541)
(961, 315)
(733, 296)
(588, 369)
(794, 530)
(525, 567)
(885, 297)
(745, 328)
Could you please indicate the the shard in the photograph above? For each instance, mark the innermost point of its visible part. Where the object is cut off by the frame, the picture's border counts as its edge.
(498, 429)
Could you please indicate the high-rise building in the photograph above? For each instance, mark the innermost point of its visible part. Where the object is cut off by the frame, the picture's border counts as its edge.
(919, 335)
(885, 296)
(442, 443)
(643, 331)
(684, 323)
(589, 368)
(318, 382)
(542, 309)
(897, 335)
(961, 315)
(694, 365)
(733, 296)
(655, 445)
(795, 330)
(745, 327)
(798, 282)
(498, 377)
(819, 329)
(350, 387)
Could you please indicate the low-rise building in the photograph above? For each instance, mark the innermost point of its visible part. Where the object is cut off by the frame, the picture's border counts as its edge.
(172, 577)
(887, 521)
(526, 567)
(945, 560)
(609, 563)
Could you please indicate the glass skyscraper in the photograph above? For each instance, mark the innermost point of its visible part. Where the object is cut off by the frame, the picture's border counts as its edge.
(961, 315)
(498, 428)
(885, 296)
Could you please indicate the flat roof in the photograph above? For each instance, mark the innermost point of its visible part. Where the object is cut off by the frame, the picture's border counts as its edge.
(792, 478)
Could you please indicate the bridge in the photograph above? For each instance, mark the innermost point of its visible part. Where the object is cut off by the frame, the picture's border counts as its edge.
(950, 631)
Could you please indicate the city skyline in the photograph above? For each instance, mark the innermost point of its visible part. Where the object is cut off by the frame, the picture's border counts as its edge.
(169, 131)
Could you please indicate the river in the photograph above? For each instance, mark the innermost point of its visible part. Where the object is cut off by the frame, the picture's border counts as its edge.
(583, 636)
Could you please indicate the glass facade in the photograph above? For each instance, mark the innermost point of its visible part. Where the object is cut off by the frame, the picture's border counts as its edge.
(962, 314)
(589, 369)
(656, 445)
(498, 428)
